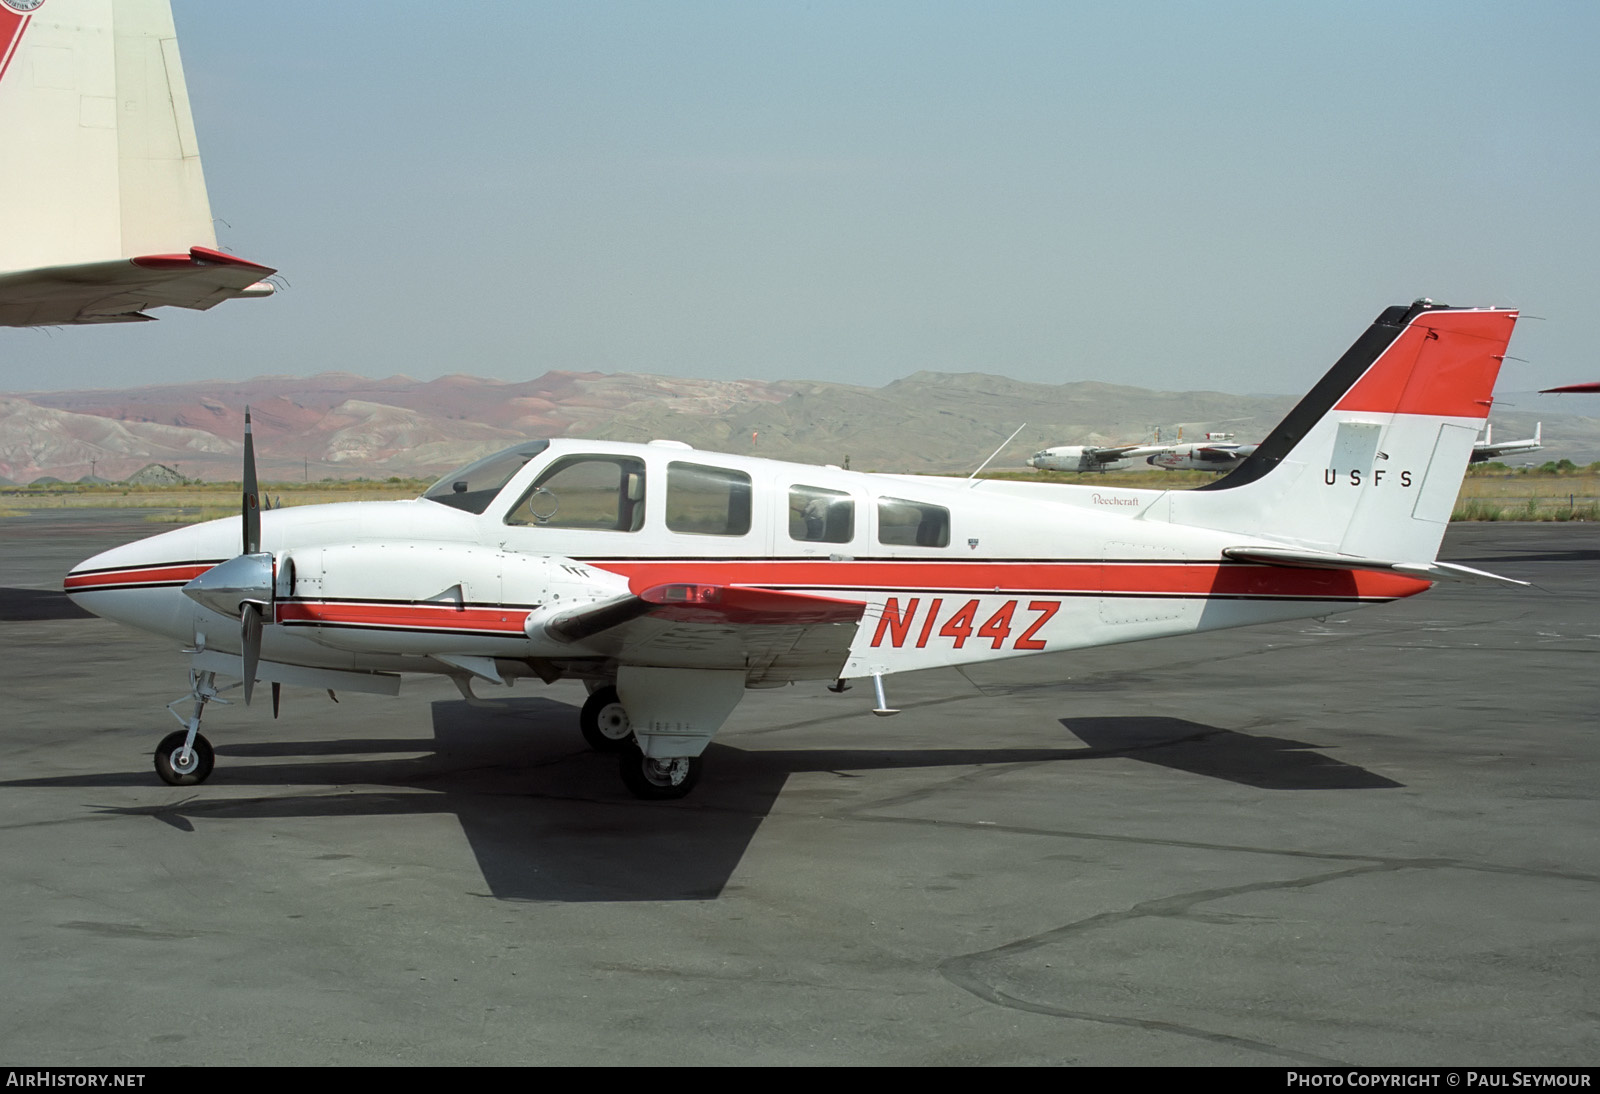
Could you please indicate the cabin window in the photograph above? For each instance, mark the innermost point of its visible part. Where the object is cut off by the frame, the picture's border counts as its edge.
(904, 523)
(707, 501)
(474, 486)
(821, 516)
(600, 493)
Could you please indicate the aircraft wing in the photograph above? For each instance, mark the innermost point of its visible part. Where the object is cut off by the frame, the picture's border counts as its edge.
(1319, 560)
(1483, 450)
(118, 291)
(773, 637)
(1120, 452)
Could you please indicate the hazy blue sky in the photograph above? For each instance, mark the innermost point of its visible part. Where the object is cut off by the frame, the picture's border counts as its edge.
(1206, 195)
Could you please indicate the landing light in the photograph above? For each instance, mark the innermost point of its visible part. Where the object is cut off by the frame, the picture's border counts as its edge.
(689, 594)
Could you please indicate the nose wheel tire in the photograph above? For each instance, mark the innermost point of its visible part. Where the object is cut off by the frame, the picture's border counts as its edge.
(178, 766)
(658, 780)
(605, 722)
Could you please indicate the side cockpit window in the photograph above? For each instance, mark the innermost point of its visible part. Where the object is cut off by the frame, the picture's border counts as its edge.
(707, 501)
(904, 523)
(598, 493)
(817, 515)
(474, 486)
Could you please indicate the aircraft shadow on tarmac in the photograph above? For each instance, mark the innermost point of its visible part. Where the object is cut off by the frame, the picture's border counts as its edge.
(1270, 763)
(548, 820)
(28, 605)
(1574, 555)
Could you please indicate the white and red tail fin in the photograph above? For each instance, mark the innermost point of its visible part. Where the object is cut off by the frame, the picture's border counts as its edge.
(108, 211)
(1369, 464)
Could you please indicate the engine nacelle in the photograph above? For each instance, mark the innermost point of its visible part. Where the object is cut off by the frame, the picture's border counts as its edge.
(429, 598)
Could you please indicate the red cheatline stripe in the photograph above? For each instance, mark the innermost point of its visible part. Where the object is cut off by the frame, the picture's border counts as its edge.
(1036, 578)
(425, 617)
(12, 24)
(135, 577)
(1115, 578)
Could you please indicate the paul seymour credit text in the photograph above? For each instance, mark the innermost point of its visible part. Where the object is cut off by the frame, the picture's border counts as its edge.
(1465, 1078)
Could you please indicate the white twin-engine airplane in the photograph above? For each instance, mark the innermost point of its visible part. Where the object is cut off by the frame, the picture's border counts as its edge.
(106, 213)
(672, 580)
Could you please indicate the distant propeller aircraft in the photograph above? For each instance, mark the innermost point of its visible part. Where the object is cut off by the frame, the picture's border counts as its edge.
(108, 214)
(1215, 453)
(1486, 449)
(671, 581)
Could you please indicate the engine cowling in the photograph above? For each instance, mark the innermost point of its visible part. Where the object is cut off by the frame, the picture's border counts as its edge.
(430, 598)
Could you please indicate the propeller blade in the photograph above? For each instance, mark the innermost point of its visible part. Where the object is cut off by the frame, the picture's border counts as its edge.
(277, 693)
(250, 644)
(252, 499)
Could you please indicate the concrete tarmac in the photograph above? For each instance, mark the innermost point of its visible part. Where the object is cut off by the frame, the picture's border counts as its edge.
(1367, 840)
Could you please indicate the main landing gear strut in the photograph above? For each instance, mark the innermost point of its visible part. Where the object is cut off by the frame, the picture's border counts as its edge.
(184, 757)
(607, 728)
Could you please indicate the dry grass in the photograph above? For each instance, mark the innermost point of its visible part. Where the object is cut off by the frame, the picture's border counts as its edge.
(196, 502)
(1486, 494)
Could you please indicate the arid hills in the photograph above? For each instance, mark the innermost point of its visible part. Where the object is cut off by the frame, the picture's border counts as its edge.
(344, 426)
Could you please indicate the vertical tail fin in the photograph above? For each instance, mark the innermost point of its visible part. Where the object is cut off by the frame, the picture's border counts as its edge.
(1370, 462)
(99, 143)
(95, 124)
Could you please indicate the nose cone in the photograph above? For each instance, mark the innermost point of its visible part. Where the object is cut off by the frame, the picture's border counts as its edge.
(141, 583)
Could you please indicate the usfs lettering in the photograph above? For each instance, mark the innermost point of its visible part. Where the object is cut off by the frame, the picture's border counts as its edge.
(1330, 477)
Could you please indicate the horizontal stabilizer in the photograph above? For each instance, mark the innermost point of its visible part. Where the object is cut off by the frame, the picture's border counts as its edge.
(1317, 560)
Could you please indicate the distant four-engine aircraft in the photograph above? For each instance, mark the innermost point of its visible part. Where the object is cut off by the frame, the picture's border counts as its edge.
(671, 580)
(106, 211)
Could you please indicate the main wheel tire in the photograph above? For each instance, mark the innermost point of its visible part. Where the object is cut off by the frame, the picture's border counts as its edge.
(604, 721)
(176, 769)
(658, 780)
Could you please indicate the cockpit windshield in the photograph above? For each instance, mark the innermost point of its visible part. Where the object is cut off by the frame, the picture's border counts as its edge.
(474, 486)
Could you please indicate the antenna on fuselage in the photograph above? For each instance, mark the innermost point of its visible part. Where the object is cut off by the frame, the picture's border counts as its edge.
(997, 451)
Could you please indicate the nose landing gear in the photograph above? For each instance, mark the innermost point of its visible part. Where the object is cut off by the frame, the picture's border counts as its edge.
(184, 758)
(182, 763)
